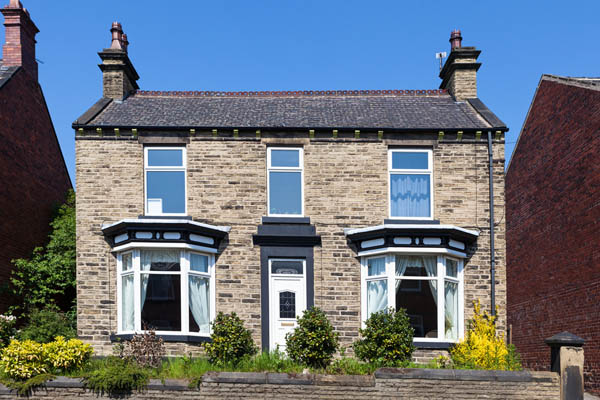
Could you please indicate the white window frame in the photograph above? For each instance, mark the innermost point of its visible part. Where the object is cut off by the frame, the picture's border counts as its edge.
(428, 171)
(184, 273)
(182, 168)
(441, 278)
(300, 169)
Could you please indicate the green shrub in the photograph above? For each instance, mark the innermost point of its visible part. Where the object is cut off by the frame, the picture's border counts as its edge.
(116, 376)
(231, 341)
(7, 329)
(25, 387)
(22, 360)
(44, 325)
(387, 339)
(67, 354)
(313, 343)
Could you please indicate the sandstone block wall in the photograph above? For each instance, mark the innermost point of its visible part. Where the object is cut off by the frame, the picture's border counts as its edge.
(346, 186)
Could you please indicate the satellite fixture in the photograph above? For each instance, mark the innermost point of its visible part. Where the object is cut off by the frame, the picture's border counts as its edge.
(441, 57)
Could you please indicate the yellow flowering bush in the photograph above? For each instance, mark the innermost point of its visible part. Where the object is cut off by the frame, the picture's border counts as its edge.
(23, 359)
(482, 347)
(67, 354)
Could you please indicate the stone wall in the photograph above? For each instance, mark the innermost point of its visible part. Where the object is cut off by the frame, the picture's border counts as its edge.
(346, 183)
(388, 383)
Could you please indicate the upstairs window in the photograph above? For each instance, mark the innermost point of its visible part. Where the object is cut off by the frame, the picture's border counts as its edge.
(165, 180)
(285, 181)
(411, 183)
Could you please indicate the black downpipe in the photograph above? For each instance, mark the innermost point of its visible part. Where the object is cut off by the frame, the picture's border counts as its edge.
(492, 234)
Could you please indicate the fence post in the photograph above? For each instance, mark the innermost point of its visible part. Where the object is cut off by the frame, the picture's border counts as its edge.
(566, 358)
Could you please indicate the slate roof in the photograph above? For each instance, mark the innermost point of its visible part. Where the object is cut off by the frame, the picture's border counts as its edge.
(6, 73)
(388, 109)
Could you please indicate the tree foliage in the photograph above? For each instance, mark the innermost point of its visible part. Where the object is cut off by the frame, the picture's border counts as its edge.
(47, 279)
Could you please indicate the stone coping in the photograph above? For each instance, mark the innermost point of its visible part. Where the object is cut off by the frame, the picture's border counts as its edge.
(327, 380)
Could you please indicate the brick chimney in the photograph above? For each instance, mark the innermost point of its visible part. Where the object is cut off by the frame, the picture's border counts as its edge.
(459, 74)
(19, 46)
(119, 78)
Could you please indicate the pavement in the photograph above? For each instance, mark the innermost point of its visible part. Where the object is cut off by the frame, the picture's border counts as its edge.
(588, 396)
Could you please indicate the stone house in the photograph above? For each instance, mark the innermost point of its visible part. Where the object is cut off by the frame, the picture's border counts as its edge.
(266, 203)
(33, 175)
(552, 214)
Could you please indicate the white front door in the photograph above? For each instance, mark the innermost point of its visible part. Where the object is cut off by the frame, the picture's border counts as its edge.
(287, 298)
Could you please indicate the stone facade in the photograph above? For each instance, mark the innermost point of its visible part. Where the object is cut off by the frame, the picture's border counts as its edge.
(346, 186)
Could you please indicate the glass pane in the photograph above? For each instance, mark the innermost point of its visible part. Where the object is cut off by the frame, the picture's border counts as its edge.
(377, 295)
(199, 262)
(166, 192)
(451, 316)
(451, 268)
(199, 304)
(285, 193)
(420, 302)
(416, 266)
(160, 260)
(161, 302)
(376, 266)
(287, 267)
(406, 160)
(127, 310)
(165, 158)
(126, 263)
(287, 305)
(285, 158)
(410, 195)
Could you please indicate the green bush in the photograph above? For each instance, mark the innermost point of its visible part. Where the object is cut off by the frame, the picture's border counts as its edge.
(7, 329)
(231, 341)
(67, 354)
(313, 343)
(387, 339)
(44, 325)
(116, 376)
(22, 360)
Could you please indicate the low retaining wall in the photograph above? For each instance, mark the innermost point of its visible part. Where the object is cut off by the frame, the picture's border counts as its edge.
(388, 383)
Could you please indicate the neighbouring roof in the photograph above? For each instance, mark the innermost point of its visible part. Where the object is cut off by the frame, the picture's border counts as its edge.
(6, 73)
(584, 82)
(379, 109)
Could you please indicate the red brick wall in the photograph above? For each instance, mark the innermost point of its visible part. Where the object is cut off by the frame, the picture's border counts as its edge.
(33, 175)
(553, 226)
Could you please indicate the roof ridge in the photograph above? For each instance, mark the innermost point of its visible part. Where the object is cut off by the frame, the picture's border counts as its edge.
(291, 93)
(582, 82)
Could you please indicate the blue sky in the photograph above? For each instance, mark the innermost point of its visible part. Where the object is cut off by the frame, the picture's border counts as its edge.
(326, 44)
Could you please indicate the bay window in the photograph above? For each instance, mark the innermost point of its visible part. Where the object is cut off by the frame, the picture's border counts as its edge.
(410, 183)
(428, 287)
(168, 290)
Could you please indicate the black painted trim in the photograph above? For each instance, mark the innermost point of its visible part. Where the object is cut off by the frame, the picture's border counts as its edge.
(293, 235)
(166, 338)
(286, 220)
(432, 345)
(267, 252)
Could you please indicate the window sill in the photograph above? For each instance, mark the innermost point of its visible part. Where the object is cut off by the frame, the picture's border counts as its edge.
(424, 345)
(166, 338)
(286, 220)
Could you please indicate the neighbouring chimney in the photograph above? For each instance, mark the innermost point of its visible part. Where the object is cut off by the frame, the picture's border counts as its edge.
(459, 74)
(19, 46)
(119, 78)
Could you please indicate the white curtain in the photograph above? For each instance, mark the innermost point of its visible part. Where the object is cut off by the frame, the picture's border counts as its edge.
(401, 264)
(376, 266)
(154, 256)
(451, 317)
(127, 310)
(376, 296)
(199, 305)
(410, 195)
(430, 265)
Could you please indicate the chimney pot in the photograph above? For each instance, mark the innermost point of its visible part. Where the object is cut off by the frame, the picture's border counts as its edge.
(15, 4)
(124, 42)
(117, 32)
(455, 39)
